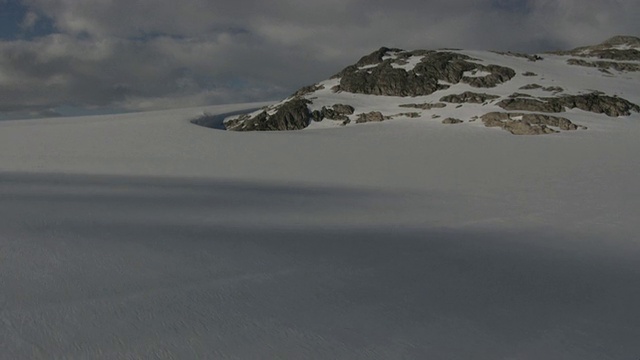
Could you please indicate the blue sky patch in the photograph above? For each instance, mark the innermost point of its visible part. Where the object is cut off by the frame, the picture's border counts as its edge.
(13, 24)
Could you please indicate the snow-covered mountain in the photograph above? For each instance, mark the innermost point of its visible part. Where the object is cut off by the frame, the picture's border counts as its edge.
(521, 93)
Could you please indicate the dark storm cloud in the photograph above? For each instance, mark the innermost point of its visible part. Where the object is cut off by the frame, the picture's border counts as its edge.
(150, 54)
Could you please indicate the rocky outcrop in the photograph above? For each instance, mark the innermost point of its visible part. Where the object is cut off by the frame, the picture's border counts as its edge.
(375, 57)
(307, 90)
(548, 88)
(291, 115)
(336, 112)
(468, 97)
(527, 124)
(499, 75)
(620, 48)
(404, 114)
(387, 80)
(531, 104)
(423, 79)
(450, 120)
(599, 104)
(517, 95)
(593, 102)
(530, 57)
(425, 106)
(373, 116)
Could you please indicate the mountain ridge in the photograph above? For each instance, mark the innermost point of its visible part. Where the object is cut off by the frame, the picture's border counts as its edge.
(524, 94)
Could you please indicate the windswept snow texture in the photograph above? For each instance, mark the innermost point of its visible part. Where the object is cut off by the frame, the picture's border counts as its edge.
(145, 236)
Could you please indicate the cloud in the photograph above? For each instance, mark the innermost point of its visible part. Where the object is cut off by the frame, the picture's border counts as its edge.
(149, 54)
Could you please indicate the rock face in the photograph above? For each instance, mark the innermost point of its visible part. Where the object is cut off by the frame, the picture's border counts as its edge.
(444, 84)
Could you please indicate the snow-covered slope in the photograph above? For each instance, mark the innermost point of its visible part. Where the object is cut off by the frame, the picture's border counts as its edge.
(146, 236)
(564, 90)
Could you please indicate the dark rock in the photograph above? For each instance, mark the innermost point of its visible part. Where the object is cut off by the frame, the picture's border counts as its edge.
(529, 104)
(608, 50)
(387, 80)
(529, 57)
(375, 57)
(527, 124)
(425, 106)
(343, 109)
(374, 116)
(499, 75)
(406, 114)
(445, 66)
(291, 115)
(423, 79)
(605, 65)
(517, 95)
(596, 103)
(468, 97)
(548, 88)
(555, 121)
(336, 112)
(307, 90)
(555, 89)
(599, 104)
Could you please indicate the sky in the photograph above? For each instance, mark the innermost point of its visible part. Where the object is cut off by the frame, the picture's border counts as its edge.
(70, 57)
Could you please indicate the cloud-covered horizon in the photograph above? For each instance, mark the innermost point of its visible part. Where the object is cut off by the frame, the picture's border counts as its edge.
(150, 54)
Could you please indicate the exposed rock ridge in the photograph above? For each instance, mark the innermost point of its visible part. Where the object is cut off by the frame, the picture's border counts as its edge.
(616, 48)
(527, 124)
(291, 115)
(375, 88)
(593, 102)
